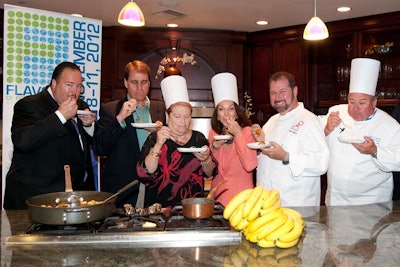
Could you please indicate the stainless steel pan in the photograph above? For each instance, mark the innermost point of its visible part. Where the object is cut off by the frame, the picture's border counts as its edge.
(42, 208)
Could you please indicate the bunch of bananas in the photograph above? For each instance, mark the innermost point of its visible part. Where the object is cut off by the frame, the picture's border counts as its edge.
(259, 215)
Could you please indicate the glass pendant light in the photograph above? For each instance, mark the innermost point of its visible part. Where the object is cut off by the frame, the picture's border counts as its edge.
(131, 15)
(315, 28)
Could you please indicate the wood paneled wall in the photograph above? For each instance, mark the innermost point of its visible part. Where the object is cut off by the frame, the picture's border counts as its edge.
(215, 51)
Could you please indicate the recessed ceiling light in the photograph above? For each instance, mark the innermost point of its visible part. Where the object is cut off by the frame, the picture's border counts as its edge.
(262, 22)
(343, 9)
(168, 4)
(172, 25)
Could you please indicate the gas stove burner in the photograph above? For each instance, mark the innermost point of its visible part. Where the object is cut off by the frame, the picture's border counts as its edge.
(172, 230)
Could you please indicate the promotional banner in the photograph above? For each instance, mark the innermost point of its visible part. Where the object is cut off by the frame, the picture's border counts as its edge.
(35, 42)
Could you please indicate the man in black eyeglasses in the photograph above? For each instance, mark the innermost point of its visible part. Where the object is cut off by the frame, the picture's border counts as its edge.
(123, 128)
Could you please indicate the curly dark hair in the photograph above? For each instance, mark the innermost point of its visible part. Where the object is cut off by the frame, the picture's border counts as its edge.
(241, 119)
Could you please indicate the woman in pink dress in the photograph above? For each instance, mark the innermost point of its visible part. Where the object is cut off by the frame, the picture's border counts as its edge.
(229, 135)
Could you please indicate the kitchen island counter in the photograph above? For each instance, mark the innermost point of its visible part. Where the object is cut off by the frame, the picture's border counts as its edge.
(367, 235)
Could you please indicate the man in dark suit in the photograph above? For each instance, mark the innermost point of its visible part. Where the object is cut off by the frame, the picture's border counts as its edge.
(120, 142)
(45, 138)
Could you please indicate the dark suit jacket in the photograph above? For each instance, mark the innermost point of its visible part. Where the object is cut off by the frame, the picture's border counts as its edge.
(42, 146)
(121, 148)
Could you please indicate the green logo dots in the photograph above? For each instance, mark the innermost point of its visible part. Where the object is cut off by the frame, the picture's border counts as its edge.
(27, 16)
(18, 80)
(42, 46)
(50, 54)
(43, 25)
(10, 50)
(58, 27)
(10, 43)
(35, 24)
(58, 20)
(65, 28)
(43, 53)
(27, 23)
(27, 52)
(19, 14)
(10, 80)
(19, 29)
(43, 18)
(35, 16)
(27, 44)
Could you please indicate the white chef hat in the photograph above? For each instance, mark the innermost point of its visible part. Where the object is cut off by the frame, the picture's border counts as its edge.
(174, 89)
(224, 87)
(364, 75)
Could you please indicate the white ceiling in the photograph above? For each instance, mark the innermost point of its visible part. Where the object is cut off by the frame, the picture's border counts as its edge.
(219, 14)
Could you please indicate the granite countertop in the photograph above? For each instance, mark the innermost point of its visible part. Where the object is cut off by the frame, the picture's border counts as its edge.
(367, 235)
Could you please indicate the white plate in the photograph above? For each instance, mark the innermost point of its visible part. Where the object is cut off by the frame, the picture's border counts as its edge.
(144, 125)
(191, 149)
(223, 137)
(83, 112)
(351, 139)
(258, 145)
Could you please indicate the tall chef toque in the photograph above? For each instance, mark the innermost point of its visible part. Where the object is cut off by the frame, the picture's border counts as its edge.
(364, 75)
(224, 87)
(174, 89)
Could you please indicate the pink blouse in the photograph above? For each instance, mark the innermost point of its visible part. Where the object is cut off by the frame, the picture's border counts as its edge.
(236, 163)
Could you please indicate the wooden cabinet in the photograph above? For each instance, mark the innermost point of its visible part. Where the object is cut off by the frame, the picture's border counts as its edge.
(215, 51)
(330, 60)
(269, 52)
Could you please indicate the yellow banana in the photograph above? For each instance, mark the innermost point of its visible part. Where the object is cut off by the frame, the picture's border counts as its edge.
(294, 234)
(265, 243)
(236, 217)
(251, 201)
(283, 229)
(272, 226)
(293, 213)
(242, 224)
(255, 211)
(275, 206)
(290, 244)
(260, 221)
(272, 198)
(234, 203)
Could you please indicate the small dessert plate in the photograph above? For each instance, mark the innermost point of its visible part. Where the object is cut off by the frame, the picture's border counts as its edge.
(83, 112)
(258, 145)
(223, 137)
(144, 125)
(191, 149)
(351, 139)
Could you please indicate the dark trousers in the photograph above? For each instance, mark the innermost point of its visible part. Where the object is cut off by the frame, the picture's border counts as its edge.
(396, 186)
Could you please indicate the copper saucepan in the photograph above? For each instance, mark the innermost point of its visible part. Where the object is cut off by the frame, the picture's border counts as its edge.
(200, 207)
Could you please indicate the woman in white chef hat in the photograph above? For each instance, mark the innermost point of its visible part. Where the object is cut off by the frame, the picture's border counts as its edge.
(228, 137)
(364, 142)
(176, 159)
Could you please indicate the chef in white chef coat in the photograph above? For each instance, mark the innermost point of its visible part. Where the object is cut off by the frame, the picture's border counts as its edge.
(364, 142)
(298, 154)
